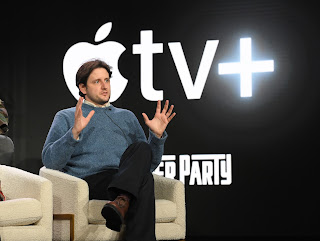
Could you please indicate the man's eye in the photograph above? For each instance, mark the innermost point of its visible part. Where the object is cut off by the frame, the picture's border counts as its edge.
(97, 81)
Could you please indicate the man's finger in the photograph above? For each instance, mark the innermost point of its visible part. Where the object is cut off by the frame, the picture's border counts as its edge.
(78, 108)
(145, 117)
(79, 104)
(170, 111)
(171, 117)
(165, 108)
(158, 109)
(80, 101)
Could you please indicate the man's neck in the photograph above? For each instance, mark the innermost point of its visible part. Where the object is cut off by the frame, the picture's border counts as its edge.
(94, 105)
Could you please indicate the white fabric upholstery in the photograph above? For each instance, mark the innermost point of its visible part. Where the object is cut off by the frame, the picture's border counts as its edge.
(171, 190)
(166, 211)
(71, 196)
(94, 214)
(36, 194)
(19, 212)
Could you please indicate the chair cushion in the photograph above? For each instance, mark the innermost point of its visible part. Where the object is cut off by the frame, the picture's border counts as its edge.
(166, 211)
(95, 207)
(19, 212)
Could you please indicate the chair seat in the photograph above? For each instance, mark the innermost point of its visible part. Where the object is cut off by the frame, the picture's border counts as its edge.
(166, 211)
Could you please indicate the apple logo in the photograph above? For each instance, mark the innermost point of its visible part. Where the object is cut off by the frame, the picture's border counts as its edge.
(108, 52)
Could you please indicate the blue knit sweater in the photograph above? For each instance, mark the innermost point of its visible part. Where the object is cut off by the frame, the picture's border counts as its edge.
(101, 144)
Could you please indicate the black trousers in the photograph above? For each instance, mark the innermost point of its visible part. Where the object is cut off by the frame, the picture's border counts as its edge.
(134, 178)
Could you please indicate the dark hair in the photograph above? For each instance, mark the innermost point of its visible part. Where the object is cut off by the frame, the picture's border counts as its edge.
(85, 70)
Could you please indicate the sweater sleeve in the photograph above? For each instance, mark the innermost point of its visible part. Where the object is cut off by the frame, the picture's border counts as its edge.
(157, 147)
(60, 144)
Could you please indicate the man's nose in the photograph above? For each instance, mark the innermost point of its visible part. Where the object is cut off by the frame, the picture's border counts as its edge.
(104, 85)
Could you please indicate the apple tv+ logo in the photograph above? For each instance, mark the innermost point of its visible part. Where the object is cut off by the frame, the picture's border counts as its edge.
(111, 51)
(82, 52)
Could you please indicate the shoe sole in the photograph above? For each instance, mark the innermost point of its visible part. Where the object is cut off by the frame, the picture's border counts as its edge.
(113, 217)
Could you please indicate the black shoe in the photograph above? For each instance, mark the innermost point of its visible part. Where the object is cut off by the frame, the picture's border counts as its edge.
(115, 211)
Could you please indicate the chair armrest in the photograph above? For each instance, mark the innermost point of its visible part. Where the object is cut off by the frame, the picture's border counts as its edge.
(166, 188)
(173, 190)
(70, 194)
(17, 183)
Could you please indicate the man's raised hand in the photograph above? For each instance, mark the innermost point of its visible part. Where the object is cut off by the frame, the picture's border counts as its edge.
(80, 122)
(161, 118)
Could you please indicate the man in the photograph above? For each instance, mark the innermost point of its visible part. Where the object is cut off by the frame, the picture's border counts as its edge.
(107, 147)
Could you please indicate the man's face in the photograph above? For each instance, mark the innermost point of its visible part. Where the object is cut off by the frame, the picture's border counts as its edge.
(97, 90)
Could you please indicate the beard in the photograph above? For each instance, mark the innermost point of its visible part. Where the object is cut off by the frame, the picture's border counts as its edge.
(97, 100)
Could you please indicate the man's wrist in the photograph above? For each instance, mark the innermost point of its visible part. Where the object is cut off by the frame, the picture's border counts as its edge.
(158, 135)
(75, 134)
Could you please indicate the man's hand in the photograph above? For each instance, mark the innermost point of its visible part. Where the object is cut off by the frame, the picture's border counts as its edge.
(80, 122)
(161, 119)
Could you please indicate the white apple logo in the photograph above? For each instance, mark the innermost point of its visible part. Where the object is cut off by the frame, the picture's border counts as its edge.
(108, 52)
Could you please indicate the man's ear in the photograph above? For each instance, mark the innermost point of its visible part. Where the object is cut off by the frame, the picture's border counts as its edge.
(83, 88)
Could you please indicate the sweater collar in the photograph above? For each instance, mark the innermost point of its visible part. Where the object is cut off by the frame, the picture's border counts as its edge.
(91, 104)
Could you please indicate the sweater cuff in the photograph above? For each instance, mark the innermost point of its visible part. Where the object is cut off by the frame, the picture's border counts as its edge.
(71, 139)
(157, 140)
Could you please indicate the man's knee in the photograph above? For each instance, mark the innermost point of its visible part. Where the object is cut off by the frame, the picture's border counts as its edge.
(143, 147)
(138, 152)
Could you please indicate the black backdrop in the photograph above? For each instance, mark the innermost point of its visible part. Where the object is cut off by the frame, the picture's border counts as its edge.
(272, 136)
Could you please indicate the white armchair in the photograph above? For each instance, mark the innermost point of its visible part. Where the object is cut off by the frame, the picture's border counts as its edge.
(27, 212)
(71, 197)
